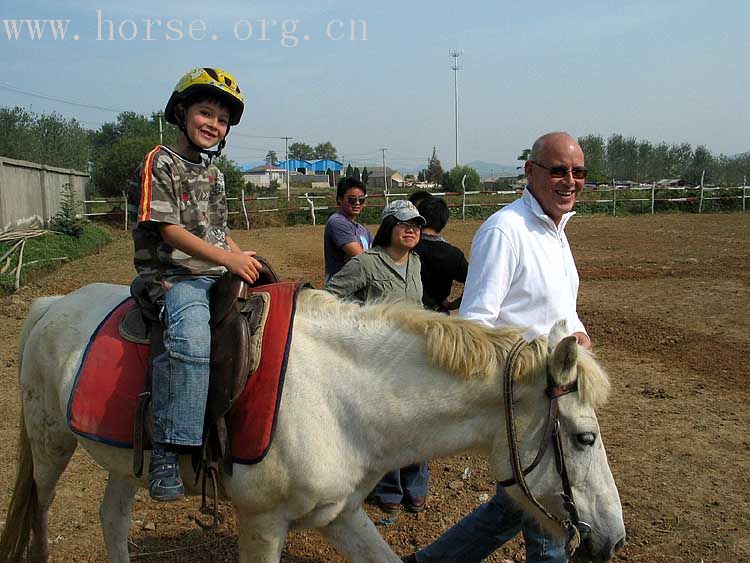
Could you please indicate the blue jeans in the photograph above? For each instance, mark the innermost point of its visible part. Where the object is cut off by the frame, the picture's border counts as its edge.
(179, 384)
(480, 533)
(410, 481)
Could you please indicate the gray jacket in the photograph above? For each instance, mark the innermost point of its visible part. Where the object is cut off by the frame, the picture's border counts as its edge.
(372, 276)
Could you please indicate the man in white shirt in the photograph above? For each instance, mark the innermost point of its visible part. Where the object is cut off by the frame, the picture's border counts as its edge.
(521, 273)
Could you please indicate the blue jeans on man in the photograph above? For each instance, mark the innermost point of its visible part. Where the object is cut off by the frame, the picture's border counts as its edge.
(479, 534)
(410, 482)
(179, 384)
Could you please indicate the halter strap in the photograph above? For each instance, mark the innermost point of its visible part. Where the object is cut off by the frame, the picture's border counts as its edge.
(551, 430)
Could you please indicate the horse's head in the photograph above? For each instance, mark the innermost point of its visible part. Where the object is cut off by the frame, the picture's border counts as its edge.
(569, 454)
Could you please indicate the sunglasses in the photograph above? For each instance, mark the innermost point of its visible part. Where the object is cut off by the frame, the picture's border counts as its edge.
(352, 200)
(562, 172)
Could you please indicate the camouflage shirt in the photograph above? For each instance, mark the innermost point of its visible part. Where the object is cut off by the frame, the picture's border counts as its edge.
(170, 189)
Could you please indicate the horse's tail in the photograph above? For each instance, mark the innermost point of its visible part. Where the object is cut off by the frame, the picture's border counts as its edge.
(23, 507)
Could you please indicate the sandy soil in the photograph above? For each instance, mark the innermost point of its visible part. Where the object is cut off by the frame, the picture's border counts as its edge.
(665, 299)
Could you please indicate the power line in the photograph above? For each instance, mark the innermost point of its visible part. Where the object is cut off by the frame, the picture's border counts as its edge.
(61, 100)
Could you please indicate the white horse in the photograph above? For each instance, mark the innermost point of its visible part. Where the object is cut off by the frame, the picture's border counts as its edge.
(367, 389)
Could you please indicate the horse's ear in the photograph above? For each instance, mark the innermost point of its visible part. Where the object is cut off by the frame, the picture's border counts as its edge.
(558, 332)
(564, 359)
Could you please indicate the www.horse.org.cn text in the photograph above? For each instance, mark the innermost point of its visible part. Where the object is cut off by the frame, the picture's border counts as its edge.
(286, 32)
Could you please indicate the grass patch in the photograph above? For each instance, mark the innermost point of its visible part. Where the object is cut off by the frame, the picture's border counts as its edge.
(43, 250)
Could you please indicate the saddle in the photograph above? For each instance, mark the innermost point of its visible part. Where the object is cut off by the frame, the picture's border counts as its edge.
(237, 320)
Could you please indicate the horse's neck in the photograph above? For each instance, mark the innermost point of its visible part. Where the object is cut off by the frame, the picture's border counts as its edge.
(406, 407)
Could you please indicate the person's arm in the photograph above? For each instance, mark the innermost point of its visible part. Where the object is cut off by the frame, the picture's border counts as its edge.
(240, 263)
(343, 233)
(352, 249)
(348, 280)
(492, 264)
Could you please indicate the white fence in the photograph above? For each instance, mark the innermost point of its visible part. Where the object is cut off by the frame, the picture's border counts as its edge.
(614, 196)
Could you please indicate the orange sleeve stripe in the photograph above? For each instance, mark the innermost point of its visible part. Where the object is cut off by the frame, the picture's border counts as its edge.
(144, 207)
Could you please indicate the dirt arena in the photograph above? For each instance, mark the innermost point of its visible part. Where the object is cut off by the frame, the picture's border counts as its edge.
(665, 299)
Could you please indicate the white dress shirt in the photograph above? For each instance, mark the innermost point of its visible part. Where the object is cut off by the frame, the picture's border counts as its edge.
(521, 271)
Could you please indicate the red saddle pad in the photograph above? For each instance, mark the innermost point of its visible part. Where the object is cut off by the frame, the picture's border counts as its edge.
(113, 371)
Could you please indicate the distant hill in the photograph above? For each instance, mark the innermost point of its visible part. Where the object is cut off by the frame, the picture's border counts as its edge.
(487, 169)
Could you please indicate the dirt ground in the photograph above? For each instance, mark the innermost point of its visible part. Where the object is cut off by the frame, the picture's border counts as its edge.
(665, 299)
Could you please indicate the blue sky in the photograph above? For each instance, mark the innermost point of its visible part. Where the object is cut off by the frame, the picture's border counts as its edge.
(661, 70)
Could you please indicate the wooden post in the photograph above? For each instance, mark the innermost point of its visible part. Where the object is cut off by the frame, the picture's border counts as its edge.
(614, 197)
(244, 209)
(125, 198)
(744, 187)
(312, 208)
(700, 201)
(463, 202)
(653, 189)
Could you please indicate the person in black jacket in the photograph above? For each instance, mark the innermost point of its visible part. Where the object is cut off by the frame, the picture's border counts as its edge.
(442, 263)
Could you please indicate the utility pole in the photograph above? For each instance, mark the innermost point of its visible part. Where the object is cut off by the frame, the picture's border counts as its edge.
(456, 65)
(160, 114)
(385, 177)
(286, 163)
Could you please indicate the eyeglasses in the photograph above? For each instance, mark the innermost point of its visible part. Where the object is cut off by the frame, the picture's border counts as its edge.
(407, 225)
(352, 200)
(562, 172)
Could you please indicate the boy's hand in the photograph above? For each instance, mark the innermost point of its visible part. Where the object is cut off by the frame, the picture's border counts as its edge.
(244, 265)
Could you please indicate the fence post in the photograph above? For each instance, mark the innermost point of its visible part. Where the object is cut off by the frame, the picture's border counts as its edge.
(744, 187)
(463, 200)
(653, 189)
(614, 197)
(125, 199)
(312, 208)
(244, 209)
(700, 202)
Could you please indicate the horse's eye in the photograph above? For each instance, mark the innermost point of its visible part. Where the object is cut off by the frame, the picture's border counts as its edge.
(586, 438)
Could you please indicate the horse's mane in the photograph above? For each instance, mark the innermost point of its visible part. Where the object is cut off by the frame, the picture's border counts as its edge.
(462, 347)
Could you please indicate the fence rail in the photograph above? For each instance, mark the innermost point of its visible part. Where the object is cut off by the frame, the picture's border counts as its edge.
(620, 196)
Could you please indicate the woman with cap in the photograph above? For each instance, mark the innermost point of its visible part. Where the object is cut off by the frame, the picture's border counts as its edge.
(390, 271)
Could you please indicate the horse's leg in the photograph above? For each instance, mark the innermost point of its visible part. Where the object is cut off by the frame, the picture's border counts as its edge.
(51, 456)
(261, 536)
(355, 536)
(114, 514)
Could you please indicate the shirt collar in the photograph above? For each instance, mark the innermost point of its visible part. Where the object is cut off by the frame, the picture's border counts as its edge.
(537, 210)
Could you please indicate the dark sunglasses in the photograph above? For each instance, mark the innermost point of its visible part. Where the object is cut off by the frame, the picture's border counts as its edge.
(352, 200)
(561, 171)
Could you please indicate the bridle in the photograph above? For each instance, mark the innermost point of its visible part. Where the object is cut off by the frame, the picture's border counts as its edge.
(574, 527)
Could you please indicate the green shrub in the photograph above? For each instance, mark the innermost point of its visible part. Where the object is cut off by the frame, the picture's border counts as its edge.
(69, 220)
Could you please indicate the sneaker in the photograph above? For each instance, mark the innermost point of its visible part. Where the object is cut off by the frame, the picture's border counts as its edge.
(164, 480)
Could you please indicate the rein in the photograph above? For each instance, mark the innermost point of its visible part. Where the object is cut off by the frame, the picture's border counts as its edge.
(574, 527)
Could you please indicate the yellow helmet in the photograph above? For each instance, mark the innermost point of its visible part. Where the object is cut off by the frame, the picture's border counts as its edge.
(214, 82)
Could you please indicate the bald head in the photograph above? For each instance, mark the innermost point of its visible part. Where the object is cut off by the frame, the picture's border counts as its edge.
(560, 139)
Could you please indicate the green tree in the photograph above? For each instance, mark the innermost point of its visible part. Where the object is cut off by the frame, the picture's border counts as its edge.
(233, 180)
(349, 173)
(594, 150)
(356, 173)
(365, 175)
(434, 168)
(452, 180)
(44, 138)
(702, 161)
(325, 150)
(301, 151)
(271, 158)
(524, 156)
(114, 169)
